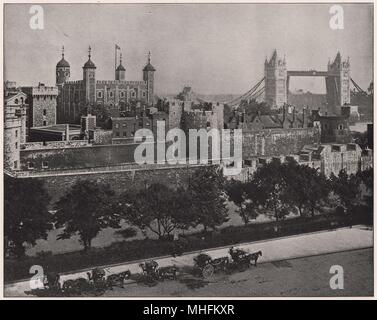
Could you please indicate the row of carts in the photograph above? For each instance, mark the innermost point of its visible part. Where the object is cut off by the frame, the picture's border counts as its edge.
(97, 281)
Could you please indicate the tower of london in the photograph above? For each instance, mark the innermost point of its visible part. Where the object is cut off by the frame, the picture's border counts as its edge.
(78, 97)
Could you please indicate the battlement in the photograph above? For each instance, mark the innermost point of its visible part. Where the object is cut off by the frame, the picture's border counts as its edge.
(43, 91)
(54, 145)
(73, 82)
(117, 82)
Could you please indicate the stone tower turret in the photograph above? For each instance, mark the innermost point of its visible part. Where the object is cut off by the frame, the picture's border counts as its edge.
(148, 76)
(89, 80)
(275, 72)
(120, 72)
(14, 128)
(63, 70)
(338, 84)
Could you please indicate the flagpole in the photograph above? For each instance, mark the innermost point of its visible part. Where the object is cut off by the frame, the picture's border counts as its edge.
(115, 63)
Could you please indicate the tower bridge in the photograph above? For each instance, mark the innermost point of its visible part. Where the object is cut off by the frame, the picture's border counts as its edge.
(337, 79)
(273, 88)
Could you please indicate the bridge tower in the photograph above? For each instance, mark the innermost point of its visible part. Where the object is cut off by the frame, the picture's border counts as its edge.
(338, 84)
(275, 72)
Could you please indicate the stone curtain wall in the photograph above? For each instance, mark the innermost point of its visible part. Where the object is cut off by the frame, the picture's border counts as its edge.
(270, 142)
(84, 157)
(120, 181)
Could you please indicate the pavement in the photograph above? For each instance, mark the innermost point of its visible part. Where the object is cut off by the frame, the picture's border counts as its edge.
(312, 244)
(301, 277)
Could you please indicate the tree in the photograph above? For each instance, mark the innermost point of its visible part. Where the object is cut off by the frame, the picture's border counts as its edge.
(207, 189)
(306, 187)
(366, 177)
(26, 215)
(157, 208)
(271, 184)
(347, 187)
(244, 196)
(86, 209)
(103, 115)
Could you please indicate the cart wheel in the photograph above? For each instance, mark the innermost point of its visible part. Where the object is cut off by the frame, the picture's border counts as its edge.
(208, 271)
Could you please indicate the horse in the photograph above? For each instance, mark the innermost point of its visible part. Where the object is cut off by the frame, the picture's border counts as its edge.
(149, 267)
(97, 275)
(169, 272)
(117, 279)
(254, 257)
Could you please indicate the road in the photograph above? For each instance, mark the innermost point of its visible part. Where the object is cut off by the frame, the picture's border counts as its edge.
(286, 248)
(301, 277)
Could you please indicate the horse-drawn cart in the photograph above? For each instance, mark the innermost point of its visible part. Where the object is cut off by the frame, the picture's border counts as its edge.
(240, 260)
(206, 266)
(152, 272)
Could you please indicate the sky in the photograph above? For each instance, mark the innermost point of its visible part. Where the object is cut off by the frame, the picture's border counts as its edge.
(214, 48)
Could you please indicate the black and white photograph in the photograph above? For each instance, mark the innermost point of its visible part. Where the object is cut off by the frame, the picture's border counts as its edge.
(188, 150)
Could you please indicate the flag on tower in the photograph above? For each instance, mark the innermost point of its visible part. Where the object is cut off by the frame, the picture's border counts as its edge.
(115, 63)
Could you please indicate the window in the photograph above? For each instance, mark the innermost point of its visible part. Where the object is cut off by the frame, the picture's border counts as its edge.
(30, 165)
(124, 134)
(111, 94)
(124, 125)
(117, 134)
(340, 127)
(122, 94)
(144, 94)
(16, 145)
(44, 112)
(16, 101)
(99, 94)
(133, 94)
(44, 123)
(44, 164)
(16, 133)
(15, 164)
(117, 125)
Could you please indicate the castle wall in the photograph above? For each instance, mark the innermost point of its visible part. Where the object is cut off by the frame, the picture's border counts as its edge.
(275, 142)
(269, 142)
(82, 157)
(120, 181)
